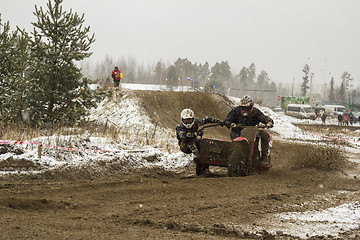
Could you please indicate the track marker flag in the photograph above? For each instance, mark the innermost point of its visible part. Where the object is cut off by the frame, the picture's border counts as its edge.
(191, 79)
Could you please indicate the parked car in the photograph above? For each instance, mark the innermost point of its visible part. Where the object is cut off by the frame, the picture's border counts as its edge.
(277, 109)
(302, 111)
(334, 110)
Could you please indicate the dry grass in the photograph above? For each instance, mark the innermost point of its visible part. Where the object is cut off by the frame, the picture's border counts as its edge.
(116, 134)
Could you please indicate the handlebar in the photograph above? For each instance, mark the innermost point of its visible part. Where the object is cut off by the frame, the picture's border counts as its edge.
(200, 132)
(260, 125)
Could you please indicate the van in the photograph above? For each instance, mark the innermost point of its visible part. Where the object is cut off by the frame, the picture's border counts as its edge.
(334, 110)
(302, 111)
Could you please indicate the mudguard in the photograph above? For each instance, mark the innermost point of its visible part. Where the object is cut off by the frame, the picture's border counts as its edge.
(217, 152)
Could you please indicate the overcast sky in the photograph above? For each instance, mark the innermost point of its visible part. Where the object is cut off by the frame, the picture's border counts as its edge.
(279, 36)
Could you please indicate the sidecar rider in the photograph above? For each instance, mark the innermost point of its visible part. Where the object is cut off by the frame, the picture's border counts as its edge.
(186, 130)
(248, 115)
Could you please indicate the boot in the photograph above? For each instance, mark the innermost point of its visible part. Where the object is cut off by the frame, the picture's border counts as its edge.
(265, 161)
(265, 157)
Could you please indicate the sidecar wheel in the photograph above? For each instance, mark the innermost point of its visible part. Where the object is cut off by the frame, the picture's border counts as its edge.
(201, 168)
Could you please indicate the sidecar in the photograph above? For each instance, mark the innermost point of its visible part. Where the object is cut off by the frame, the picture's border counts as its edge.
(241, 156)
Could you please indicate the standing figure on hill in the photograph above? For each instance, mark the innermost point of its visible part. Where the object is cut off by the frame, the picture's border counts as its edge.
(248, 115)
(186, 131)
(116, 75)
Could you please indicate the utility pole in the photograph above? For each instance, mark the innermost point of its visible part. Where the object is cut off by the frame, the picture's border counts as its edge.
(292, 88)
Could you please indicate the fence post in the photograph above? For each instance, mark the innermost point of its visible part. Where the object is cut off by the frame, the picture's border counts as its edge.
(39, 150)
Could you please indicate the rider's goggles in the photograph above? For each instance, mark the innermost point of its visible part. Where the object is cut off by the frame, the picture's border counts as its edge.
(246, 109)
(188, 120)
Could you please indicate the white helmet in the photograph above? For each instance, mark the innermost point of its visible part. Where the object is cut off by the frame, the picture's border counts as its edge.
(187, 118)
(246, 105)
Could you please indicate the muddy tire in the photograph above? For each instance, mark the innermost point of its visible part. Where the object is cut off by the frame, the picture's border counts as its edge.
(201, 168)
(235, 165)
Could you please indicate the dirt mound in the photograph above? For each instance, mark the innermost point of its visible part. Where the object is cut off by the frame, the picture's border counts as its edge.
(164, 108)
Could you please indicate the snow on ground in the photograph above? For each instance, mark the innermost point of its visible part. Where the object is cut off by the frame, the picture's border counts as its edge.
(331, 221)
(130, 120)
(138, 138)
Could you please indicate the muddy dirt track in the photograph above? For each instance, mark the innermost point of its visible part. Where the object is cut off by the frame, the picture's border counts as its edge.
(157, 204)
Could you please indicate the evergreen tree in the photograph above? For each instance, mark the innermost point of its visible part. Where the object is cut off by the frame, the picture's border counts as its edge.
(263, 80)
(347, 80)
(220, 75)
(243, 78)
(203, 74)
(160, 73)
(304, 85)
(184, 68)
(172, 77)
(251, 75)
(58, 91)
(342, 92)
(13, 66)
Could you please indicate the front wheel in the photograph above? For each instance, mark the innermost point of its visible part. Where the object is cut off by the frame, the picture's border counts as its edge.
(201, 168)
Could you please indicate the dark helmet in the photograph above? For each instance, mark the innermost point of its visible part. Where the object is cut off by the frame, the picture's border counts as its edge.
(246, 105)
(116, 68)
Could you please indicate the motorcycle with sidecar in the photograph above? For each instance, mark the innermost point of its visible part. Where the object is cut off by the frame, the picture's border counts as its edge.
(241, 156)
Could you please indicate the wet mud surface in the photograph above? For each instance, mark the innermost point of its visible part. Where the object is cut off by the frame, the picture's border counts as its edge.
(152, 203)
(158, 204)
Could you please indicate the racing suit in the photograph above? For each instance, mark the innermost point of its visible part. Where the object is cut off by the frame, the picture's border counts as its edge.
(186, 137)
(252, 119)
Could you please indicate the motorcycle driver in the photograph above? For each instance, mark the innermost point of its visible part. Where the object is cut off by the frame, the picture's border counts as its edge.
(186, 130)
(248, 115)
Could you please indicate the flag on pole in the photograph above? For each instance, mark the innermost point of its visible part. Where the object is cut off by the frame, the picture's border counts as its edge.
(191, 79)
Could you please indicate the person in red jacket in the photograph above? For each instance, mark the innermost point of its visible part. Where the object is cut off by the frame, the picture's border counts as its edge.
(116, 75)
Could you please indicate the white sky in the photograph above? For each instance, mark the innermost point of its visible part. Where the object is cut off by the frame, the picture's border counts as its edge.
(279, 36)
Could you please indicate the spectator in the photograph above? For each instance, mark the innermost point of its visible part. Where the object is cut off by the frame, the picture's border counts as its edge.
(351, 118)
(116, 75)
(340, 119)
(323, 117)
(346, 119)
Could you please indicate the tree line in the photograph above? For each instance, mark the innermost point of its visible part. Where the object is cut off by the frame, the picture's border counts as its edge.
(199, 76)
(43, 78)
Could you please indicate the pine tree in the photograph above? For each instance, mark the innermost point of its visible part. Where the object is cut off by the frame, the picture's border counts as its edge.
(243, 78)
(263, 80)
(220, 75)
(172, 78)
(342, 91)
(251, 75)
(13, 65)
(304, 85)
(58, 91)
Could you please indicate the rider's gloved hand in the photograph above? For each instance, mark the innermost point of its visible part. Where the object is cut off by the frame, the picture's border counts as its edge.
(222, 124)
(190, 135)
(270, 125)
(233, 125)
